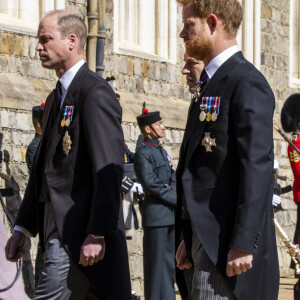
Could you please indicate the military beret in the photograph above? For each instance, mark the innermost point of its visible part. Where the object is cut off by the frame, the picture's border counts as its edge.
(148, 118)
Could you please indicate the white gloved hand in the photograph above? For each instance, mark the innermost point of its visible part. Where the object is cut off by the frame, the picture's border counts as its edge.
(137, 186)
(276, 200)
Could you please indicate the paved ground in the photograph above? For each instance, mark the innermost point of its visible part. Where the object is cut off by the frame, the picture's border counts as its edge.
(286, 291)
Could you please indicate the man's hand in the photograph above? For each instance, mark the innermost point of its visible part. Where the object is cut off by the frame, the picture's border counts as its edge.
(92, 250)
(14, 248)
(181, 257)
(238, 261)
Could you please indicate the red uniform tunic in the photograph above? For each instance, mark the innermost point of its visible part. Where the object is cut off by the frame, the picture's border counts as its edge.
(294, 158)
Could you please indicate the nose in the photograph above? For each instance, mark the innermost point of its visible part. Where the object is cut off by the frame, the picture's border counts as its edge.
(185, 70)
(38, 47)
(183, 33)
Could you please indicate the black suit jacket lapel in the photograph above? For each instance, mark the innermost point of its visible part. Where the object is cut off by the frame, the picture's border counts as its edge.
(57, 130)
(212, 88)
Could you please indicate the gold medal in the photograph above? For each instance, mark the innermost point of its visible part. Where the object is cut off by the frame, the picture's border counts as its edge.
(214, 116)
(202, 114)
(208, 117)
(67, 143)
(63, 123)
(68, 122)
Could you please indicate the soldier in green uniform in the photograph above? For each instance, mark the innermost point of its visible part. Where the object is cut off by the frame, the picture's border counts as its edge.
(153, 168)
(37, 121)
(37, 116)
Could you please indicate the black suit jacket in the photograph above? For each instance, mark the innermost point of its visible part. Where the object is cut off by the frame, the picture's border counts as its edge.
(229, 191)
(84, 186)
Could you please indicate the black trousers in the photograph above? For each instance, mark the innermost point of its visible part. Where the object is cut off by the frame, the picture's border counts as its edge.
(159, 263)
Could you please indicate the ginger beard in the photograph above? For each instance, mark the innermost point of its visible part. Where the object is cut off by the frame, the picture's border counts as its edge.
(200, 47)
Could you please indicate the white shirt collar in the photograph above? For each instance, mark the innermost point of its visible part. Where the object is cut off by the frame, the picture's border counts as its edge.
(217, 62)
(68, 77)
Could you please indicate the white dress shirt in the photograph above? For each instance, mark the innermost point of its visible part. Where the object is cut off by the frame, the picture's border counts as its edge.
(218, 61)
(65, 81)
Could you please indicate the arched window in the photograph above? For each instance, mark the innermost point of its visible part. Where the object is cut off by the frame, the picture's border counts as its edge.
(146, 28)
(250, 32)
(26, 13)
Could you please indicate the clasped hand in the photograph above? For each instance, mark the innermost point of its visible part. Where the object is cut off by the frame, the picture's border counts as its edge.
(237, 261)
(92, 250)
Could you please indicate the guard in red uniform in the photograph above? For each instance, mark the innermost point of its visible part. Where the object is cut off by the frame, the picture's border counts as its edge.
(290, 120)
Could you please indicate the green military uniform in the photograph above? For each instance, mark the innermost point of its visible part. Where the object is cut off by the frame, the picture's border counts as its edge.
(31, 150)
(154, 171)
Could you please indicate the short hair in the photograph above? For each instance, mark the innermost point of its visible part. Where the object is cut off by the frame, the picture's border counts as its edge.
(70, 22)
(142, 128)
(229, 11)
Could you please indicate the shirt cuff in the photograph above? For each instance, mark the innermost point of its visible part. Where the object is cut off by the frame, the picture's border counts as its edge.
(23, 230)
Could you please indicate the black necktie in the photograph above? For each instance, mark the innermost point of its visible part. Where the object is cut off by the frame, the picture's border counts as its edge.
(58, 95)
(203, 79)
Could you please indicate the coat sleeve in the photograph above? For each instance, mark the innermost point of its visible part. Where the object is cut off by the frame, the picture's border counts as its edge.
(28, 212)
(150, 182)
(295, 165)
(252, 110)
(105, 142)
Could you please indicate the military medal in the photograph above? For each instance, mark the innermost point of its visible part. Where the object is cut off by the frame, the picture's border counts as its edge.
(65, 122)
(197, 93)
(67, 143)
(214, 116)
(208, 142)
(203, 113)
(169, 160)
(208, 116)
(216, 108)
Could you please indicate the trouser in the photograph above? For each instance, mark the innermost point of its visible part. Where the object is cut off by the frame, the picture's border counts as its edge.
(159, 263)
(61, 279)
(207, 283)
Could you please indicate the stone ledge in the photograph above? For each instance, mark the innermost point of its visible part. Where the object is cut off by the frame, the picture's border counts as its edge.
(18, 92)
(173, 112)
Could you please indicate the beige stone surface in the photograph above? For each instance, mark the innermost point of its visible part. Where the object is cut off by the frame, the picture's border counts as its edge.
(173, 112)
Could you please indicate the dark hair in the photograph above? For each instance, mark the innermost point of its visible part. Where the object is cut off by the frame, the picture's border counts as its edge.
(290, 113)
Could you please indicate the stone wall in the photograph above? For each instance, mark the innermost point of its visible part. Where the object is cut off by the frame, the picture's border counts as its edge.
(24, 83)
(275, 43)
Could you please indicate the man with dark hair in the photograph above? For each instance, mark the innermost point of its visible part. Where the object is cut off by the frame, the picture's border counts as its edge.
(153, 168)
(73, 195)
(225, 170)
(37, 120)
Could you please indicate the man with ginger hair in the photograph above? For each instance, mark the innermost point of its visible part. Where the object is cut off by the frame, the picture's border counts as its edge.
(73, 195)
(224, 174)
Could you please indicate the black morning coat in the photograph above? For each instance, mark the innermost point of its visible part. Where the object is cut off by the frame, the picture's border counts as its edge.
(84, 186)
(229, 191)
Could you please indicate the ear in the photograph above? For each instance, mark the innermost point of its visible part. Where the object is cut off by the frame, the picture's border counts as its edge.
(73, 40)
(213, 21)
(147, 129)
